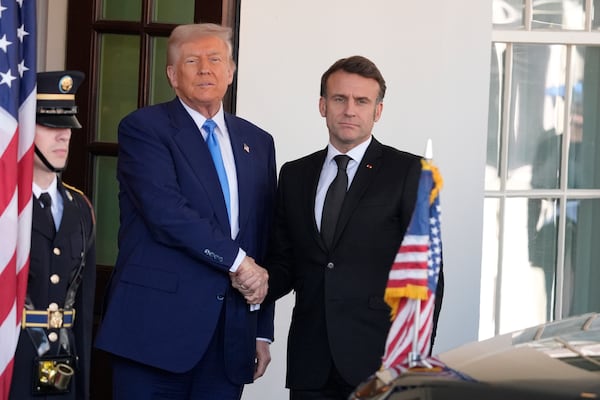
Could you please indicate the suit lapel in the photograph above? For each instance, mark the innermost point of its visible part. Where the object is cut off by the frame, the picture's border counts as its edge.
(367, 169)
(194, 149)
(311, 181)
(242, 154)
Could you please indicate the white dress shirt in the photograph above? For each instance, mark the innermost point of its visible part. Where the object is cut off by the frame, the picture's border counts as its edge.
(57, 200)
(329, 171)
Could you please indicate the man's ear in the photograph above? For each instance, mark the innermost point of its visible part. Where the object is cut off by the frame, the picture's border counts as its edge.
(322, 106)
(230, 77)
(378, 111)
(172, 75)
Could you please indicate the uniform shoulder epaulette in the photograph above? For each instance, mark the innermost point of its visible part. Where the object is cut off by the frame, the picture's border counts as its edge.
(89, 203)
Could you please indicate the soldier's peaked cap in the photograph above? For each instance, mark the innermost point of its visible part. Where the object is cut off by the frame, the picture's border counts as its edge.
(55, 105)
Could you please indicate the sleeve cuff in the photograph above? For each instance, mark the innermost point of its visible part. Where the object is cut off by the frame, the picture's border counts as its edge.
(238, 260)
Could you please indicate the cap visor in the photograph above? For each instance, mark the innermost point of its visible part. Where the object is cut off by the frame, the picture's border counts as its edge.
(58, 121)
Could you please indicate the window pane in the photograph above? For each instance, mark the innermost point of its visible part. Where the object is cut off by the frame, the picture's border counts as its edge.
(542, 233)
(107, 210)
(528, 257)
(507, 13)
(596, 14)
(160, 90)
(536, 116)
(584, 157)
(489, 268)
(118, 82)
(492, 168)
(122, 10)
(173, 11)
(558, 14)
(582, 253)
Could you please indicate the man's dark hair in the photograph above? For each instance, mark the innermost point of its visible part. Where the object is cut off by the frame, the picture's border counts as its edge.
(355, 65)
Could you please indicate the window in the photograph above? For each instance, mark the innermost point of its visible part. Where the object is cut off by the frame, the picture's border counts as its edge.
(541, 245)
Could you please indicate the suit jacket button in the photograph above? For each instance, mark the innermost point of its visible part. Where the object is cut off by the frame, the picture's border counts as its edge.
(53, 337)
(54, 278)
(220, 297)
(56, 251)
(330, 265)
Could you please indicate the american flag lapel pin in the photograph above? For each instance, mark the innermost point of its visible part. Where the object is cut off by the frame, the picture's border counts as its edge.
(369, 166)
(246, 148)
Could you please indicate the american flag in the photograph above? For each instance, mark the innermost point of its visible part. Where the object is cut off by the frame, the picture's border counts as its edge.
(17, 131)
(413, 277)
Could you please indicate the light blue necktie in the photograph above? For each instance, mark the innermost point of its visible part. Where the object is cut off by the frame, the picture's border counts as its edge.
(215, 151)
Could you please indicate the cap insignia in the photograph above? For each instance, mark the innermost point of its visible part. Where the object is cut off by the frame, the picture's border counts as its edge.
(65, 84)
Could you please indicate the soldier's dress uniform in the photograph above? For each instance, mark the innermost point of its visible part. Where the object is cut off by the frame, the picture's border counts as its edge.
(55, 258)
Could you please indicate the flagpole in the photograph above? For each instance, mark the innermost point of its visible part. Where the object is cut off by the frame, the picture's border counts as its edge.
(415, 358)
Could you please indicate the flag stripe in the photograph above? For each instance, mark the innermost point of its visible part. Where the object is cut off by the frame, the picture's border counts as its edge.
(412, 256)
(409, 274)
(415, 240)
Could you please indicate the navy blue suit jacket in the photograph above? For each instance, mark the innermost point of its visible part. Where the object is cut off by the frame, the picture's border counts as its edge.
(171, 284)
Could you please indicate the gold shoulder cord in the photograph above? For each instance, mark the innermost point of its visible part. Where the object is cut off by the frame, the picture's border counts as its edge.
(89, 203)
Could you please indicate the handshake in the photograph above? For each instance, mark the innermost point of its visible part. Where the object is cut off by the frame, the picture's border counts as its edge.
(251, 280)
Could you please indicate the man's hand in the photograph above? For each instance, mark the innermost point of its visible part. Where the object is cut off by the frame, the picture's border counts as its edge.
(251, 280)
(263, 358)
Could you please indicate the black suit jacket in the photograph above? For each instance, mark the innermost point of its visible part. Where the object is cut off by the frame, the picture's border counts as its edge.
(340, 316)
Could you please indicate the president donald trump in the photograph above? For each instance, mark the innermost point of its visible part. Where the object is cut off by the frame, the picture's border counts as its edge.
(196, 193)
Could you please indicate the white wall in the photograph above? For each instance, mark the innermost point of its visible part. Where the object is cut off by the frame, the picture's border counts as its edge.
(435, 58)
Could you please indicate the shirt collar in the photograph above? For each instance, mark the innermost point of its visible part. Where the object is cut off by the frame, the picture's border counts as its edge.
(356, 154)
(199, 119)
(52, 190)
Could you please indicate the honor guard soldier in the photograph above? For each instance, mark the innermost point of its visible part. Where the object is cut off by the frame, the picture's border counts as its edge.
(53, 355)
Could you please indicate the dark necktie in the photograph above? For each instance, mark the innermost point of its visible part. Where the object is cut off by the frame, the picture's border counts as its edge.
(46, 201)
(334, 199)
(215, 151)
